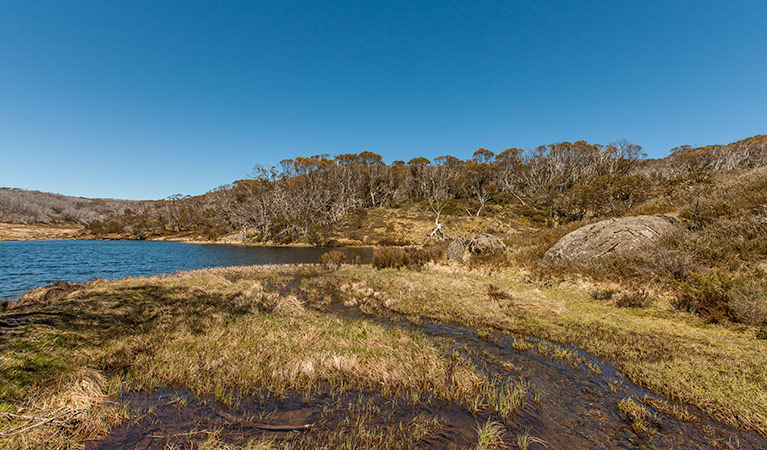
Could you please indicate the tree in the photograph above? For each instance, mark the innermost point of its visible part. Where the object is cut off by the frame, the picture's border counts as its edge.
(510, 171)
(434, 185)
(478, 179)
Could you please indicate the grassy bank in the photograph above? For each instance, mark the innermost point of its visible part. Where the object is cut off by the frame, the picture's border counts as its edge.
(269, 332)
(222, 334)
(17, 232)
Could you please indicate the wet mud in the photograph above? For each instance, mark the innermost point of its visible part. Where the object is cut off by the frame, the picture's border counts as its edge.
(174, 418)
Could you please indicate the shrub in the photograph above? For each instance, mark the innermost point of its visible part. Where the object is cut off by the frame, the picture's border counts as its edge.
(604, 195)
(603, 294)
(435, 251)
(332, 260)
(634, 299)
(748, 301)
(388, 257)
(397, 257)
(707, 295)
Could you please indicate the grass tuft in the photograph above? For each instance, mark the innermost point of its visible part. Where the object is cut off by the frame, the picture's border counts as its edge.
(490, 436)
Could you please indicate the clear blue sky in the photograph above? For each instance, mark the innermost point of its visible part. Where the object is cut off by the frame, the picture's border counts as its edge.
(142, 99)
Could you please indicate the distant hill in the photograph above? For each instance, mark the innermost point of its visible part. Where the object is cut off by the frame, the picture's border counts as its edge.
(744, 154)
(34, 207)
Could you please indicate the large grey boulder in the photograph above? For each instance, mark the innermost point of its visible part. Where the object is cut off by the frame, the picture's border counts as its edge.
(609, 237)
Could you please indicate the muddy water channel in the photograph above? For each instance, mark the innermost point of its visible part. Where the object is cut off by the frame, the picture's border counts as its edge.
(576, 401)
(573, 403)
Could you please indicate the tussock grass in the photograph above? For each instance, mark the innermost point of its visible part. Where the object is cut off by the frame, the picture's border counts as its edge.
(637, 414)
(225, 333)
(490, 436)
(18, 232)
(525, 439)
(675, 411)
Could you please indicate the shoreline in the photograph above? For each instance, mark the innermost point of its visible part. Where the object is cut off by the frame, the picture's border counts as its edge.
(196, 242)
(22, 232)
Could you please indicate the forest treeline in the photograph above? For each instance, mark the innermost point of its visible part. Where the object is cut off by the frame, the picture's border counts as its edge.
(301, 199)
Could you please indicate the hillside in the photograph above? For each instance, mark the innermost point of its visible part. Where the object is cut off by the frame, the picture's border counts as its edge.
(744, 154)
(18, 206)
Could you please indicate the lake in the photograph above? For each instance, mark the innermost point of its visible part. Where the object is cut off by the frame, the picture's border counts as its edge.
(29, 264)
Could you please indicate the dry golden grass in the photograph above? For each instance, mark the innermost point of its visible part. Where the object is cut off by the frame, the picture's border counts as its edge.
(224, 333)
(17, 232)
(411, 224)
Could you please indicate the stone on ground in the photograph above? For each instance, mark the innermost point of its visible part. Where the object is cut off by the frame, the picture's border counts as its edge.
(609, 237)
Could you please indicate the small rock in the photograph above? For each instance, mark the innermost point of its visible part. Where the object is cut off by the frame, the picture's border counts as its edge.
(456, 249)
(495, 224)
(483, 243)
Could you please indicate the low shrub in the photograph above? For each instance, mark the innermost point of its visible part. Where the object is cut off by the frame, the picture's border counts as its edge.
(603, 294)
(496, 293)
(410, 257)
(707, 295)
(496, 260)
(332, 260)
(748, 300)
(717, 295)
(634, 299)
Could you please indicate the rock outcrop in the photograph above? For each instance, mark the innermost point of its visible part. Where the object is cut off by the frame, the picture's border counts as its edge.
(484, 243)
(481, 243)
(609, 237)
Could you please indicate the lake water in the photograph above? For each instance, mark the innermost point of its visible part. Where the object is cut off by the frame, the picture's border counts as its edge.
(29, 264)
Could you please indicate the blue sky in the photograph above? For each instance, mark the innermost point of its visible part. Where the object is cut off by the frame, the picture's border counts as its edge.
(148, 99)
